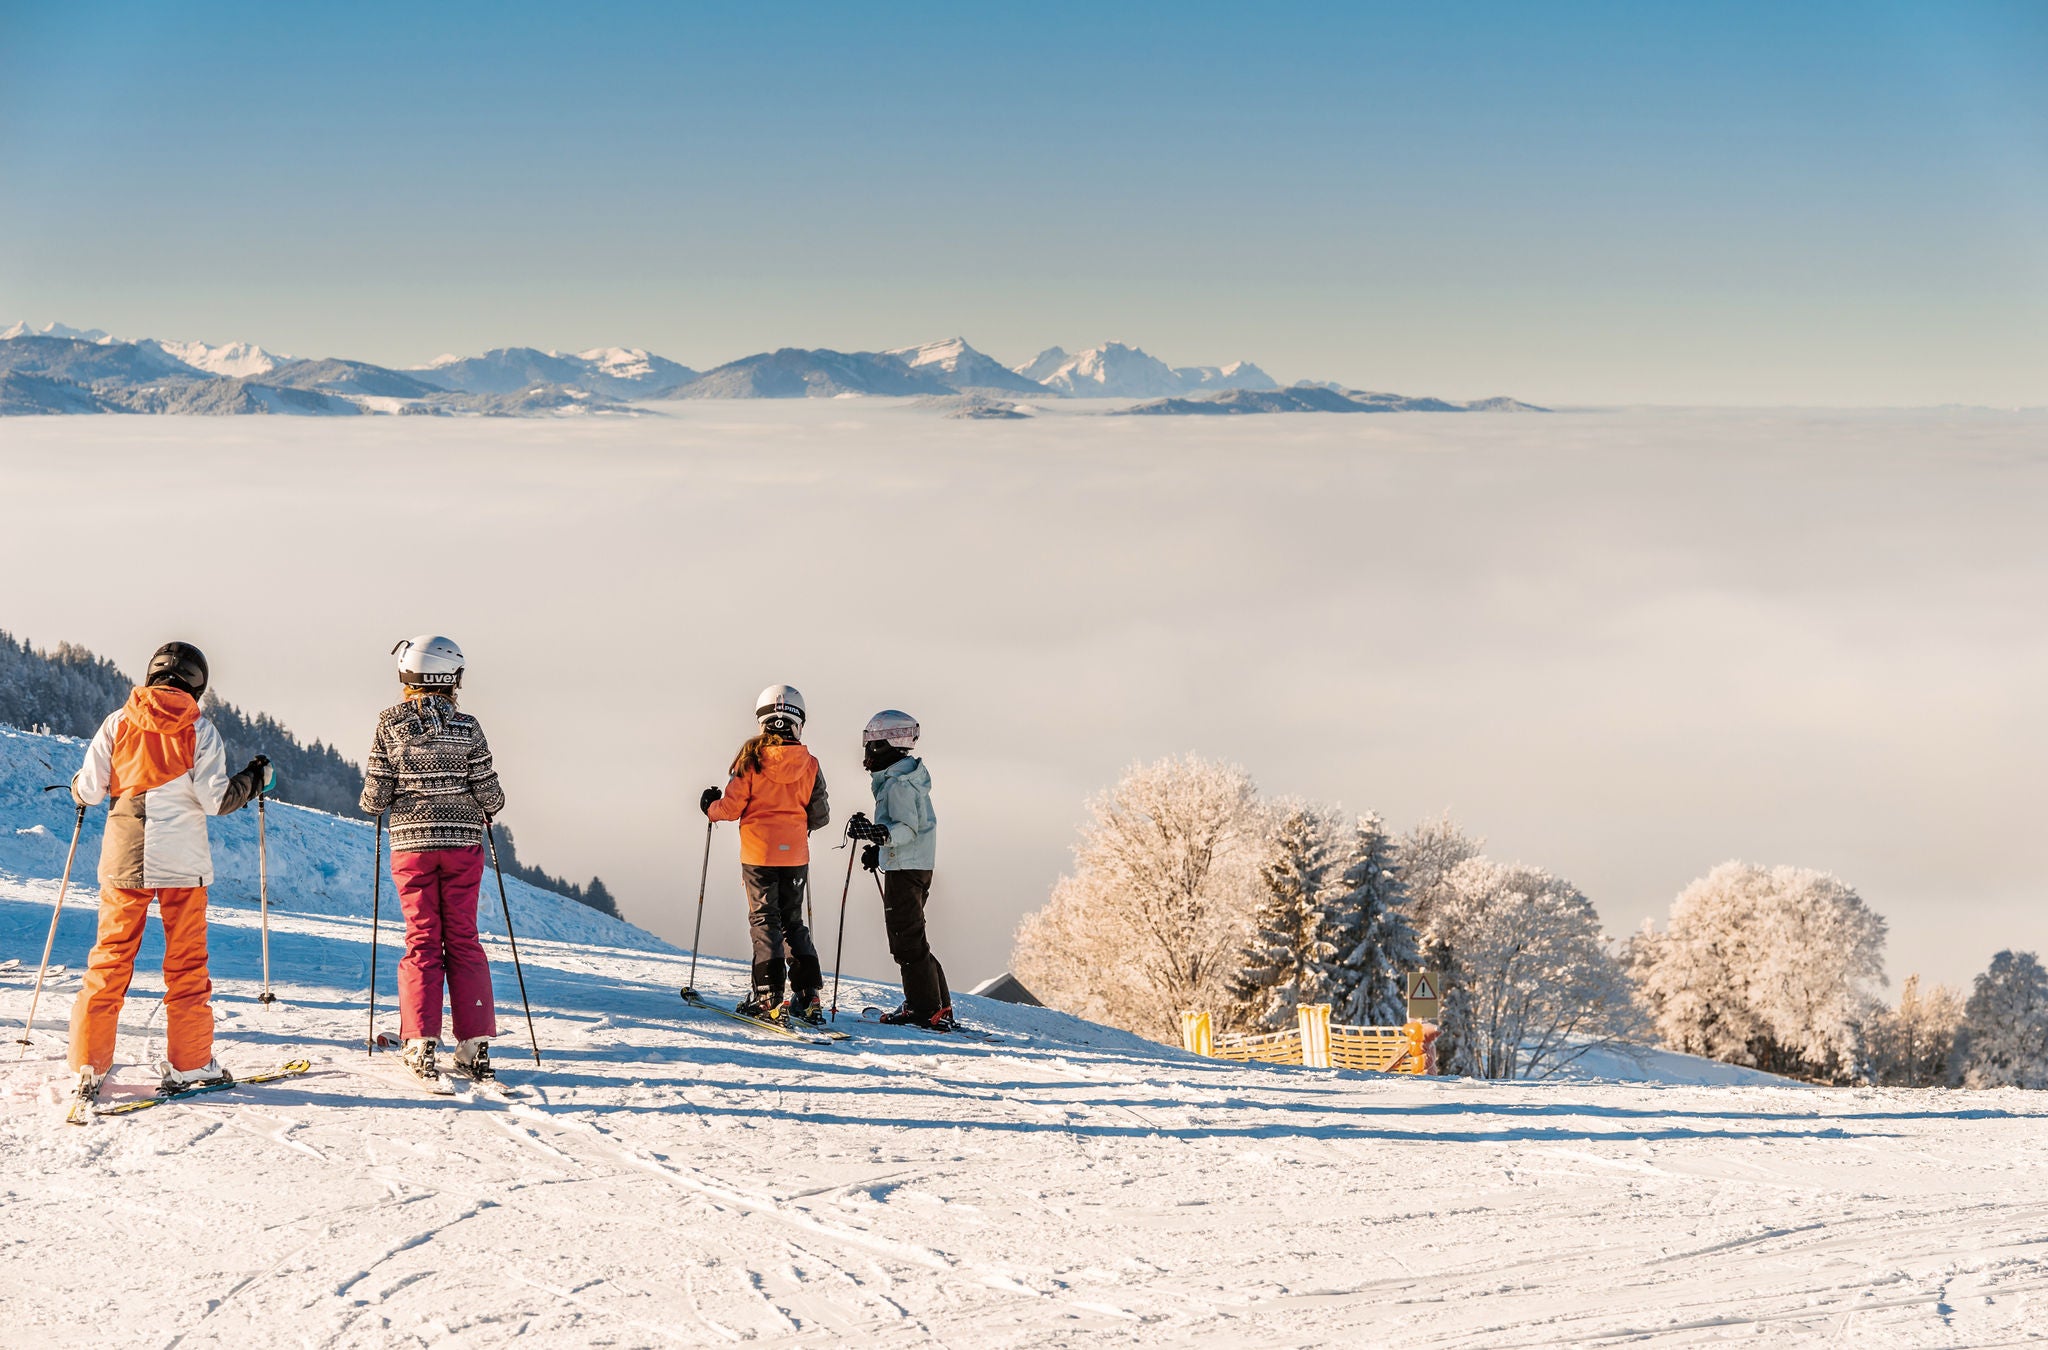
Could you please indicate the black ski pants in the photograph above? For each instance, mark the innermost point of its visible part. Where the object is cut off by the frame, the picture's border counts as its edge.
(924, 980)
(775, 913)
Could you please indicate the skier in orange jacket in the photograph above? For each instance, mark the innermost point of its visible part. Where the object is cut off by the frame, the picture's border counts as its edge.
(163, 766)
(777, 794)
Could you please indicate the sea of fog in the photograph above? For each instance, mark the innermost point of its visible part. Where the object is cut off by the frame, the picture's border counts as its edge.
(1624, 646)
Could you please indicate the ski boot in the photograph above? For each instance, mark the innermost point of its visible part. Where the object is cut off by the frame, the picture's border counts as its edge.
(942, 1020)
(905, 1016)
(805, 1007)
(761, 1005)
(86, 1097)
(473, 1058)
(420, 1058)
(181, 1080)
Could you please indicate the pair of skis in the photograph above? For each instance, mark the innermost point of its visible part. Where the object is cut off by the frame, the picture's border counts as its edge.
(795, 1030)
(787, 1028)
(83, 1112)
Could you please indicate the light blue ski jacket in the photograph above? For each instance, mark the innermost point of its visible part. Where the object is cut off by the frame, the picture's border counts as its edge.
(903, 806)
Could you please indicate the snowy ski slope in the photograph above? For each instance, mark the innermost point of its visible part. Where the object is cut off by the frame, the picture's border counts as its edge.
(670, 1180)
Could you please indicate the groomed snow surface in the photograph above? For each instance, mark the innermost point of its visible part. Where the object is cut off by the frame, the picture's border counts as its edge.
(669, 1179)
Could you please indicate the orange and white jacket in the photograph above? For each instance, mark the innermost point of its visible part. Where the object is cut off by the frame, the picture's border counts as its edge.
(777, 808)
(166, 769)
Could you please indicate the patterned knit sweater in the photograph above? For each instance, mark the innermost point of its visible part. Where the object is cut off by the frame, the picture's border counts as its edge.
(430, 767)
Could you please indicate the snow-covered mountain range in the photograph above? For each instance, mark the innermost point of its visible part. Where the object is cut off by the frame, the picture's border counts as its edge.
(55, 368)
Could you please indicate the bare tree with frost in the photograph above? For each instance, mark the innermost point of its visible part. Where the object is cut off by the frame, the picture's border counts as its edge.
(1913, 1045)
(1776, 968)
(1154, 917)
(1372, 939)
(2004, 1039)
(1429, 854)
(1544, 989)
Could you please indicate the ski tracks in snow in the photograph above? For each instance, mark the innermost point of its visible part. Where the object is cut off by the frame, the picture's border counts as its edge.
(664, 1183)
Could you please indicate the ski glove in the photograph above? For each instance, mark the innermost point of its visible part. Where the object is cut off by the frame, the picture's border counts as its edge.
(710, 795)
(260, 770)
(860, 827)
(871, 857)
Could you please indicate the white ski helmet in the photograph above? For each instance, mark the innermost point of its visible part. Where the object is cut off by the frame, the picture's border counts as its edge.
(780, 709)
(891, 728)
(435, 662)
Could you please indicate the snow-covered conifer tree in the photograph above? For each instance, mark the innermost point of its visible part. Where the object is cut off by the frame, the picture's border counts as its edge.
(2004, 1038)
(1374, 943)
(1429, 854)
(1287, 958)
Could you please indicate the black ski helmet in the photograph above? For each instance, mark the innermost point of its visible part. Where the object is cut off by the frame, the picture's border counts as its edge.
(180, 664)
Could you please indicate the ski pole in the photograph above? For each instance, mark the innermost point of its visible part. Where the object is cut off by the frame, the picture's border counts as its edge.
(490, 838)
(376, 908)
(703, 880)
(49, 943)
(839, 950)
(263, 891)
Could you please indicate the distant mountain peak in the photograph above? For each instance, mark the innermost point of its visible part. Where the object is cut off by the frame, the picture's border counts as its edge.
(239, 360)
(56, 330)
(958, 364)
(611, 372)
(1042, 365)
(1118, 369)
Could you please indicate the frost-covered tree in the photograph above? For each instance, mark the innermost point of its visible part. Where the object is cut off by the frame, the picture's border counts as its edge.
(2004, 1038)
(1429, 854)
(1776, 968)
(1544, 988)
(1288, 954)
(1372, 939)
(1912, 1045)
(1154, 917)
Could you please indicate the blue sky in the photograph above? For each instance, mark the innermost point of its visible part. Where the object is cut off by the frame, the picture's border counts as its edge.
(1600, 203)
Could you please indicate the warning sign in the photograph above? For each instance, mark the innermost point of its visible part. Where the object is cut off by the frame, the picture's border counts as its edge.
(1425, 995)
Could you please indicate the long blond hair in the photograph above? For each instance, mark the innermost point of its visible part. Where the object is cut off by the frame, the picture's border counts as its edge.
(415, 692)
(748, 760)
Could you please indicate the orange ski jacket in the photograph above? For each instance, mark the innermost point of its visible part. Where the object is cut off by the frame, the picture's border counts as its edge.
(164, 767)
(777, 808)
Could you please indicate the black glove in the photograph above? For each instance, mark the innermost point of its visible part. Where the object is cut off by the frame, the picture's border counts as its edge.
(871, 857)
(857, 825)
(259, 769)
(710, 795)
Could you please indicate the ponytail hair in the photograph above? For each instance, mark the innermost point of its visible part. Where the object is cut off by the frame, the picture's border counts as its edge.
(748, 760)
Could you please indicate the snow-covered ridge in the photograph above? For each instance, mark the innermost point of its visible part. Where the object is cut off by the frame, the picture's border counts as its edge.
(238, 359)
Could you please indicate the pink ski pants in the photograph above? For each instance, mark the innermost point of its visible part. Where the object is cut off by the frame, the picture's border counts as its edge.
(438, 891)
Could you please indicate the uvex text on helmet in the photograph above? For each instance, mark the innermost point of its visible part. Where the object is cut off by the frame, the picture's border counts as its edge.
(430, 661)
(181, 664)
(780, 703)
(891, 728)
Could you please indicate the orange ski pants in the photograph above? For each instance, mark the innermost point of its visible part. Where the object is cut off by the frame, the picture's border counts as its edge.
(188, 991)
